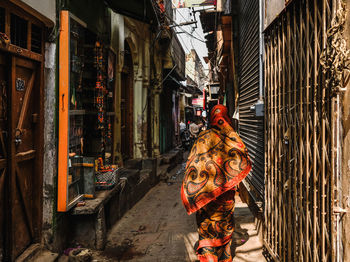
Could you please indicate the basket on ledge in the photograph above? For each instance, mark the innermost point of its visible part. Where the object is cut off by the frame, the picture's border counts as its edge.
(106, 180)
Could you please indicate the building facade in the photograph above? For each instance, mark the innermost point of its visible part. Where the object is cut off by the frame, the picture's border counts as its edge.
(285, 62)
(80, 87)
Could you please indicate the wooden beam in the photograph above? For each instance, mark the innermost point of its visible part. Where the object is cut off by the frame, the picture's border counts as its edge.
(25, 104)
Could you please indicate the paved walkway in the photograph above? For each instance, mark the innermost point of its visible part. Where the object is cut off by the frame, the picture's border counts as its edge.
(157, 228)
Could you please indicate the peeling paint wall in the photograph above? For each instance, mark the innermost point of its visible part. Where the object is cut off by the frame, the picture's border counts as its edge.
(55, 228)
(156, 90)
(50, 150)
(117, 44)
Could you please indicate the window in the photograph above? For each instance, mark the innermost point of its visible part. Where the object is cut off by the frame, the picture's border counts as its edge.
(36, 39)
(2, 20)
(19, 31)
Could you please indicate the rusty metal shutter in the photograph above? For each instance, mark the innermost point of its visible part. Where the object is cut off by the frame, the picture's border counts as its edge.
(251, 128)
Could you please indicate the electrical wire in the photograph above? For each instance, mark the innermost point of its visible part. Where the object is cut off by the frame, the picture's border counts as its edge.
(183, 42)
(185, 19)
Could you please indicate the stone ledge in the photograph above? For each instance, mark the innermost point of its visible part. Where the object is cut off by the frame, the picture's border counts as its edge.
(92, 206)
(132, 175)
(29, 253)
(91, 222)
(135, 163)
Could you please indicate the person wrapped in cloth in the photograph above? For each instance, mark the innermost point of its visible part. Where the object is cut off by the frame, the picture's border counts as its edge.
(217, 163)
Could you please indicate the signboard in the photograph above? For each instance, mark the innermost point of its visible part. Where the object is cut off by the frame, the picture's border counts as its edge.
(197, 102)
(192, 3)
(20, 84)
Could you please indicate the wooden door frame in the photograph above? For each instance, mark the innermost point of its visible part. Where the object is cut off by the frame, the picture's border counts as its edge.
(38, 162)
(11, 53)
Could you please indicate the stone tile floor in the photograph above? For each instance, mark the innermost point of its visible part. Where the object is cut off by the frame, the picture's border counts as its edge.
(157, 228)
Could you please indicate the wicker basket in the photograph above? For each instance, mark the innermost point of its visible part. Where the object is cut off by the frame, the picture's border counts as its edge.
(106, 180)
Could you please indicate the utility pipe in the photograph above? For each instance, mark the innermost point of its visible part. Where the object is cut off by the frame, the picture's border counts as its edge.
(261, 49)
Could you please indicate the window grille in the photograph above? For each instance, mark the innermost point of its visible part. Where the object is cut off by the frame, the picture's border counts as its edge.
(19, 31)
(2, 20)
(36, 39)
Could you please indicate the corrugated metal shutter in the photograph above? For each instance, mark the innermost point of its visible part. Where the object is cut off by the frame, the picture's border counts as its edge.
(251, 129)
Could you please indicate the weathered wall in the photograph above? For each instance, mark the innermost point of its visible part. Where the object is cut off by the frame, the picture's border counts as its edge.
(50, 163)
(346, 155)
(46, 7)
(156, 89)
(117, 44)
(137, 34)
(272, 9)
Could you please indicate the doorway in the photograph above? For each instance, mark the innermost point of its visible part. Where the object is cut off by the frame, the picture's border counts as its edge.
(127, 102)
(20, 153)
(21, 132)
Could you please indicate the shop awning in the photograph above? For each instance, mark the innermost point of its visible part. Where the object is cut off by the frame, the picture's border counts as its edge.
(138, 9)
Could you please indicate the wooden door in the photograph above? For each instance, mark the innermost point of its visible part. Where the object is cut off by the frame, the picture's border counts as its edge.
(127, 115)
(26, 148)
(127, 105)
(20, 154)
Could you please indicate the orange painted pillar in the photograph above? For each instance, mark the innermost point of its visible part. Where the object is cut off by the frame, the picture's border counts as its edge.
(62, 199)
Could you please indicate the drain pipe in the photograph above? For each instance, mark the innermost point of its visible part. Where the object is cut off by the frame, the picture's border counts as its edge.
(261, 49)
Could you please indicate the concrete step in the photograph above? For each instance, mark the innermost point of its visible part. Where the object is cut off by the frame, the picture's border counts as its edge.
(133, 163)
(169, 158)
(132, 175)
(145, 174)
(162, 172)
(46, 256)
(149, 163)
(173, 157)
(35, 253)
(29, 253)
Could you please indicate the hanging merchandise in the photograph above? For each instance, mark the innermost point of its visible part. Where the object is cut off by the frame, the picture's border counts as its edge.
(73, 99)
(100, 102)
(100, 84)
(109, 133)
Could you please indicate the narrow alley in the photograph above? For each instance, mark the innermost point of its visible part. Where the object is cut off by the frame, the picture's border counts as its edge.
(102, 102)
(157, 228)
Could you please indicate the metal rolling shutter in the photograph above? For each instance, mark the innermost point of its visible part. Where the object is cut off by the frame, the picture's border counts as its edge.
(251, 128)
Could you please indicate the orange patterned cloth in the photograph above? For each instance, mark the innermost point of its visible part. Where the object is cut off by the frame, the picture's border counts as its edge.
(217, 163)
(215, 228)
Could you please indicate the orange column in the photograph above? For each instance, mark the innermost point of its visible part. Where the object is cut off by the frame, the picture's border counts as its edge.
(62, 198)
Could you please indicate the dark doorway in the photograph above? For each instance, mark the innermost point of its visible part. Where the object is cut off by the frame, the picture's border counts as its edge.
(127, 102)
(166, 124)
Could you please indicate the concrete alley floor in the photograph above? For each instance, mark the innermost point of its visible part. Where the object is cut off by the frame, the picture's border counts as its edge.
(157, 228)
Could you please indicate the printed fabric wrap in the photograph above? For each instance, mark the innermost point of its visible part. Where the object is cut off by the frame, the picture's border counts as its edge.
(215, 229)
(218, 162)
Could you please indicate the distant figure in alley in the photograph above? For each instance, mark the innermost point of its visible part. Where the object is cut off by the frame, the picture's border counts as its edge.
(217, 163)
